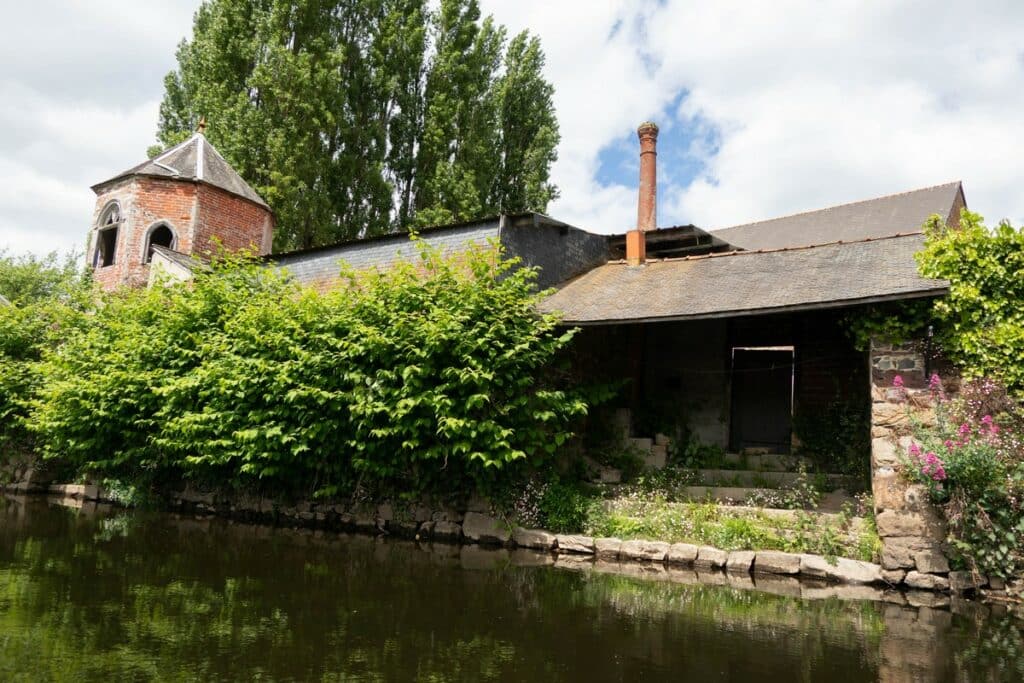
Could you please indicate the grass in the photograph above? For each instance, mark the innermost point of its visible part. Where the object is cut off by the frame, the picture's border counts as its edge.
(656, 518)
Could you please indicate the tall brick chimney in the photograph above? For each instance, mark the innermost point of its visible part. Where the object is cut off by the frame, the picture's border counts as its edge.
(647, 202)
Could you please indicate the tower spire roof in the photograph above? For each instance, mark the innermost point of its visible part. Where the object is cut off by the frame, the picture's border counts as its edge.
(194, 159)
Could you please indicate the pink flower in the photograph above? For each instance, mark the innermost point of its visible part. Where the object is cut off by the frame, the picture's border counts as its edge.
(914, 450)
(948, 443)
(987, 420)
(939, 474)
(964, 431)
(935, 382)
(897, 381)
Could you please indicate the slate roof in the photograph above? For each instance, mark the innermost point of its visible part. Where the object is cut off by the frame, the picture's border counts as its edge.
(186, 261)
(194, 159)
(746, 282)
(893, 214)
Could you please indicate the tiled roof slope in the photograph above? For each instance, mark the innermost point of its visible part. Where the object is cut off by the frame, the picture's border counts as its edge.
(890, 215)
(194, 159)
(322, 266)
(740, 283)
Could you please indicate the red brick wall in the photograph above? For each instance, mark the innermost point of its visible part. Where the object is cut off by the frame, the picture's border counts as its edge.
(236, 222)
(197, 214)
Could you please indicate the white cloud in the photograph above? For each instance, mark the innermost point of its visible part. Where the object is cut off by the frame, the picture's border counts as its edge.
(80, 85)
(814, 103)
(811, 103)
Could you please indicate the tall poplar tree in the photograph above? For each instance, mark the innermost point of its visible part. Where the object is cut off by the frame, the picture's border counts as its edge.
(358, 117)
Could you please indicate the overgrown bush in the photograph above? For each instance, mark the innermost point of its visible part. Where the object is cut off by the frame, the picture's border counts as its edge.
(972, 463)
(979, 325)
(48, 297)
(431, 376)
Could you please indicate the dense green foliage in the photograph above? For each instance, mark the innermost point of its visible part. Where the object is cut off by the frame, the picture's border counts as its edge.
(356, 117)
(47, 298)
(433, 377)
(982, 318)
(972, 463)
(979, 326)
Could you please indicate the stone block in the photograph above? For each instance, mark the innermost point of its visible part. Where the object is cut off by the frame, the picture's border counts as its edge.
(884, 453)
(923, 523)
(740, 561)
(710, 558)
(929, 582)
(653, 551)
(931, 562)
(682, 553)
(656, 459)
(927, 599)
(609, 475)
(888, 489)
(583, 545)
(449, 531)
(893, 577)
(533, 538)
(661, 440)
(775, 562)
(964, 581)
(483, 528)
(844, 570)
(607, 548)
(890, 415)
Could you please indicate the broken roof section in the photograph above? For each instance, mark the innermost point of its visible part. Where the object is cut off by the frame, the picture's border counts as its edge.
(196, 160)
(747, 282)
(901, 213)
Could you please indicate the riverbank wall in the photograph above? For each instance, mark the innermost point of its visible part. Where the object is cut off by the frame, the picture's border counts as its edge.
(476, 527)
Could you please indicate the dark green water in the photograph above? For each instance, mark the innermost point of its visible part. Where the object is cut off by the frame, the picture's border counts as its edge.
(87, 595)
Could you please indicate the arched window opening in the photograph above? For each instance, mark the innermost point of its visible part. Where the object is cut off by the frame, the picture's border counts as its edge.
(160, 236)
(106, 236)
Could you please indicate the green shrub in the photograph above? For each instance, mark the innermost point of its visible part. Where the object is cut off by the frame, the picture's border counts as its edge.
(564, 507)
(973, 467)
(48, 298)
(435, 376)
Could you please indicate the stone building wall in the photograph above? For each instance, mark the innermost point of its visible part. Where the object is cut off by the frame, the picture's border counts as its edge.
(912, 530)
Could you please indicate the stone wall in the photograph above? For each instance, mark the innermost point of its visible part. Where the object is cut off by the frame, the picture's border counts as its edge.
(912, 530)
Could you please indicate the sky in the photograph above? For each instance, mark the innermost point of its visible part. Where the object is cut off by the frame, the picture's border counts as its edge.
(765, 109)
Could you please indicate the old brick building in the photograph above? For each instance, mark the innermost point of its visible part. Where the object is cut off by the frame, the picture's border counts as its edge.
(186, 202)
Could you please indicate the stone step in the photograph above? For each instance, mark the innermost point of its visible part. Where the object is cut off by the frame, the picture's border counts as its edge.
(772, 462)
(768, 479)
(721, 494)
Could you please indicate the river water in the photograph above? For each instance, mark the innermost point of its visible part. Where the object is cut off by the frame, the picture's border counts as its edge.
(88, 594)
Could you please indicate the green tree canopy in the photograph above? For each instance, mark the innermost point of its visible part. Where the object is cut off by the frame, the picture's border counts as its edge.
(982, 318)
(360, 117)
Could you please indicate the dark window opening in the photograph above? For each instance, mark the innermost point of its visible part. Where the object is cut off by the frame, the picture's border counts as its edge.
(762, 398)
(161, 236)
(106, 237)
(106, 245)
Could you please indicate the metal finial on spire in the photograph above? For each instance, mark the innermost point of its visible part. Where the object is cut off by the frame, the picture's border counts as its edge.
(202, 125)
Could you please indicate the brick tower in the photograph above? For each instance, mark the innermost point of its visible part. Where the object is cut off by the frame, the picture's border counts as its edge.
(182, 202)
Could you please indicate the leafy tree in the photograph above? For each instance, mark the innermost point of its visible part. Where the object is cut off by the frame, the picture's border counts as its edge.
(529, 130)
(358, 117)
(982, 319)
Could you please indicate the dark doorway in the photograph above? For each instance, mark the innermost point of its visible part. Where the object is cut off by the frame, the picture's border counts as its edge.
(762, 399)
